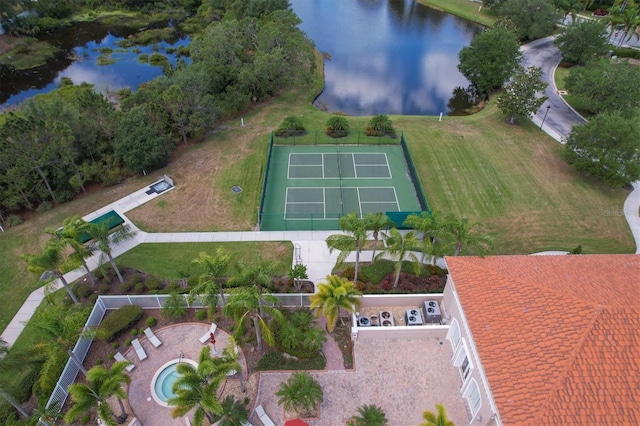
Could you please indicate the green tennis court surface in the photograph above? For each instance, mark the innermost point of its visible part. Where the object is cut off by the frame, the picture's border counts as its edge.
(311, 187)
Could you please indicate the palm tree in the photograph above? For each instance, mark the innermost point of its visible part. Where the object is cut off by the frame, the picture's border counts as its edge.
(355, 235)
(11, 400)
(52, 259)
(259, 274)
(399, 246)
(105, 240)
(439, 418)
(463, 235)
(71, 234)
(12, 361)
(60, 328)
(214, 269)
(300, 331)
(300, 393)
(197, 387)
(337, 293)
(101, 385)
(234, 413)
(376, 222)
(248, 303)
(369, 415)
(431, 226)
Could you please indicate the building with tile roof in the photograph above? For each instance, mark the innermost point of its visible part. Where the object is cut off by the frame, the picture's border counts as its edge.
(546, 339)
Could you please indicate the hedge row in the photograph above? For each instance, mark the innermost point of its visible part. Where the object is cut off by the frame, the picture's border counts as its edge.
(118, 320)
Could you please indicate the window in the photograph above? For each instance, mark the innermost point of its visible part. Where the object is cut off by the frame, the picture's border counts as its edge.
(464, 368)
(454, 334)
(473, 397)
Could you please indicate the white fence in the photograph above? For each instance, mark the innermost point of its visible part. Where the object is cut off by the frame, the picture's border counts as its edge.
(157, 301)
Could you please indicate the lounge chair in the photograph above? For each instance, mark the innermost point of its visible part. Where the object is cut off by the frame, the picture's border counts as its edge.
(119, 357)
(152, 337)
(264, 418)
(205, 337)
(139, 349)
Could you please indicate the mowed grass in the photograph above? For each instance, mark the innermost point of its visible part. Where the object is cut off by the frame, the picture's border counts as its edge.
(472, 11)
(168, 261)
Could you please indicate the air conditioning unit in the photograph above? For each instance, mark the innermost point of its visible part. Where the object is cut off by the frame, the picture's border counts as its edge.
(413, 317)
(431, 311)
(386, 319)
(364, 322)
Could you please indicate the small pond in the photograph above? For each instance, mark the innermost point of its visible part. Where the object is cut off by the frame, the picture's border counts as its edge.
(80, 47)
(388, 56)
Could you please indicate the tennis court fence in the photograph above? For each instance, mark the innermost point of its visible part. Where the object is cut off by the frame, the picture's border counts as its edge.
(320, 137)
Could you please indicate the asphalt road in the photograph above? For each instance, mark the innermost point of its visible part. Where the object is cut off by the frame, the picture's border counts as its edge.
(560, 117)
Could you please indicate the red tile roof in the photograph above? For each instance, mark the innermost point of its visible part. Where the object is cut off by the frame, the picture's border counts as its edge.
(558, 336)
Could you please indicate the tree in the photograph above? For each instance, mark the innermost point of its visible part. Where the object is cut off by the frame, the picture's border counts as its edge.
(439, 418)
(197, 387)
(463, 235)
(298, 273)
(104, 239)
(432, 227)
(490, 59)
(337, 126)
(300, 393)
(583, 41)
(140, 146)
(355, 235)
(210, 281)
(369, 415)
(398, 246)
(54, 260)
(71, 234)
(628, 17)
(259, 274)
(60, 328)
(233, 413)
(247, 303)
(570, 7)
(381, 123)
(337, 293)
(519, 99)
(299, 334)
(607, 148)
(376, 222)
(101, 385)
(606, 86)
(534, 19)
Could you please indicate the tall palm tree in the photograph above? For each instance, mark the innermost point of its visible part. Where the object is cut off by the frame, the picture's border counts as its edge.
(398, 247)
(463, 235)
(101, 385)
(376, 222)
(13, 360)
(60, 328)
(234, 413)
(300, 393)
(248, 303)
(259, 274)
(14, 402)
(105, 240)
(431, 226)
(211, 280)
(369, 415)
(71, 234)
(197, 387)
(300, 330)
(53, 259)
(337, 293)
(439, 418)
(352, 240)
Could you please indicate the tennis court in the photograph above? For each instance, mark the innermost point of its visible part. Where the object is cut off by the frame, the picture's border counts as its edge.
(309, 187)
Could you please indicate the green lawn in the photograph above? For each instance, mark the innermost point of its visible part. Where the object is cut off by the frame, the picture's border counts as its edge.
(168, 260)
(560, 76)
(469, 10)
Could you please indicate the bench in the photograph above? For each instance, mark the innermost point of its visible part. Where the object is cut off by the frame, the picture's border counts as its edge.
(119, 357)
(142, 355)
(207, 336)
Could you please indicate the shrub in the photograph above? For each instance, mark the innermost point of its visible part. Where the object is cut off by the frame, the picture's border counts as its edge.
(143, 58)
(134, 332)
(291, 126)
(172, 287)
(99, 362)
(201, 315)
(277, 361)
(337, 126)
(153, 283)
(45, 206)
(139, 287)
(151, 322)
(625, 52)
(13, 220)
(84, 290)
(103, 288)
(127, 342)
(92, 299)
(85, 419)
(174, 307)
(158, 59)
(125, 287)
(115, 345)
(118, 320)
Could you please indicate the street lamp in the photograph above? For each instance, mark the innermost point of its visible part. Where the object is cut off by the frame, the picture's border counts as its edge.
(545, 115)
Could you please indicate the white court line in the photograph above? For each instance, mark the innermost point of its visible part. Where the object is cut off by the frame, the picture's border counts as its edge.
(359, 202)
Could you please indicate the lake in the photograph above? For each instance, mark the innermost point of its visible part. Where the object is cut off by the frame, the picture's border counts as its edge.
(388, 56)
(78, 60)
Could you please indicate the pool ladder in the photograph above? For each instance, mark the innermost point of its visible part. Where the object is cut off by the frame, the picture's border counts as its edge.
(180, 358)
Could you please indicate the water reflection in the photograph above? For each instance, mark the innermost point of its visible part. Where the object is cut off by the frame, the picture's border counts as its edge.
(77, 59)
(387, 56)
